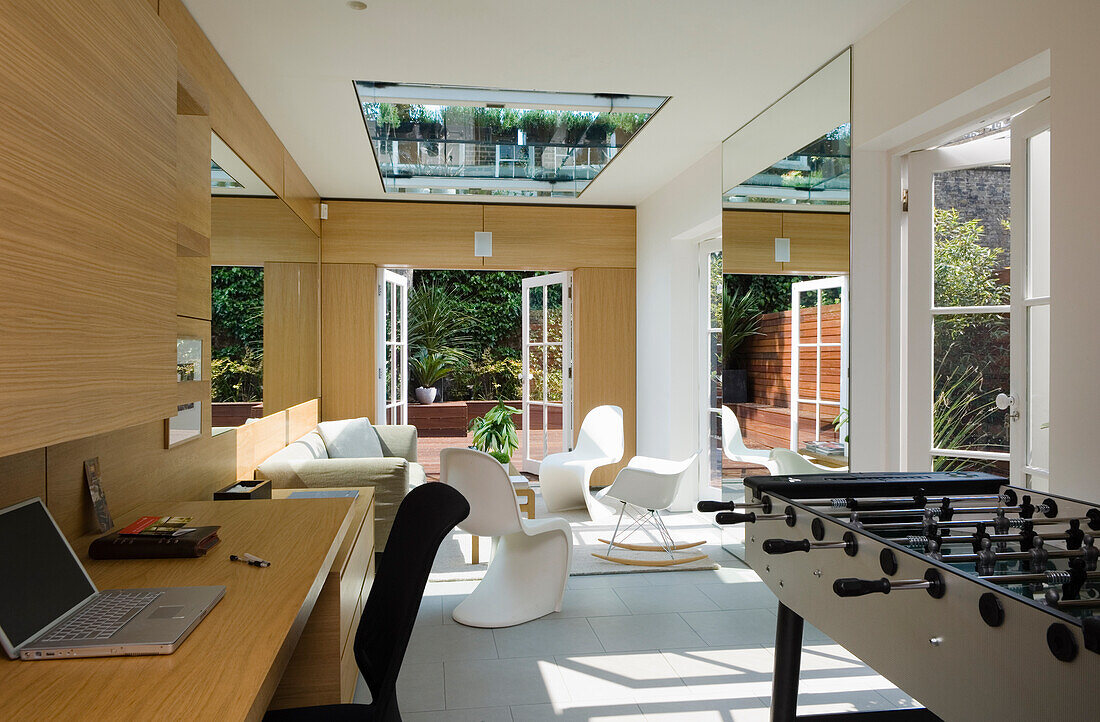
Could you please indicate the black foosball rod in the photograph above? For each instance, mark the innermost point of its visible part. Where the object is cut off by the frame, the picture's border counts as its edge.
(1038, 554)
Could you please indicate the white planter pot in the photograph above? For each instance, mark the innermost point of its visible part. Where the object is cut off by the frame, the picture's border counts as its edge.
(426, 395)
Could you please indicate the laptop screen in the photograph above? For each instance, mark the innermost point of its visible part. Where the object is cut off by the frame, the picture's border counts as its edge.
(40, 577)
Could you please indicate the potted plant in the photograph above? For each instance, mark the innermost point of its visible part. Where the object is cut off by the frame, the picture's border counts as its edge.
(428, 368)
(740, 320)
(495, 432)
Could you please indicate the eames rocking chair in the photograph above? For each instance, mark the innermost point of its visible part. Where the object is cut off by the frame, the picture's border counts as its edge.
(645, 488)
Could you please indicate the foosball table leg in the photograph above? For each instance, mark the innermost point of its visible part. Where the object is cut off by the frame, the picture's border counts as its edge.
(788, 664)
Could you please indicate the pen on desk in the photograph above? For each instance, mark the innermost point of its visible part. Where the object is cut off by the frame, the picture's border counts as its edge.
(253, 562)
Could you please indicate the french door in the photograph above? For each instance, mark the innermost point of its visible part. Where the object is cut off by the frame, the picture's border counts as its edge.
(392, 349)
(547, 367)
(978, 303)
(819, 356)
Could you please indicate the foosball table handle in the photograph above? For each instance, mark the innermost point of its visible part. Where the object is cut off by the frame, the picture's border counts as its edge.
(732, 517)
(850, 587)
(785, 546)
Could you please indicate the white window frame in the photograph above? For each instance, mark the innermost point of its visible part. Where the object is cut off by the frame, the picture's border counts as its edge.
(565, 278)
(393, 349)
(703, 366)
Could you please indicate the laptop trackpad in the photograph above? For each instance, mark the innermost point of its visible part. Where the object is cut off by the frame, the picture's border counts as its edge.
(168, 612)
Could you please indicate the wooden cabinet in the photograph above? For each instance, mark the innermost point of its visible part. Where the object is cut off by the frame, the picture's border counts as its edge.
(88, 238)
(819, 242)
(323, 669)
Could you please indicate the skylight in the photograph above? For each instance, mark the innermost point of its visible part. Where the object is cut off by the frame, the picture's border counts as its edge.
(478, 141)
(220, 179)
(818, 175)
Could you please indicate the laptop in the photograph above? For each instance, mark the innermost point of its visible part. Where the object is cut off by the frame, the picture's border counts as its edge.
(51, 609)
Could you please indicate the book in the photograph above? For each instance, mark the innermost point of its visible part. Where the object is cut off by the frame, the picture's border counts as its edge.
(95, 491)
(831, 448)
(157, 526)
(194, 543)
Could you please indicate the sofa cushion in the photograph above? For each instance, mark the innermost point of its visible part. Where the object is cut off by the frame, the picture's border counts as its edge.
(350, 439)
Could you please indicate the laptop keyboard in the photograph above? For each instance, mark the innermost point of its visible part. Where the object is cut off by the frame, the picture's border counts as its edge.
(103, 617)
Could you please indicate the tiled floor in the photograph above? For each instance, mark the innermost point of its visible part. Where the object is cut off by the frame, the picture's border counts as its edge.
(667, 646)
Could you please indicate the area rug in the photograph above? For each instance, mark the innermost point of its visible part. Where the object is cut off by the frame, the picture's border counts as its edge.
(452, 563)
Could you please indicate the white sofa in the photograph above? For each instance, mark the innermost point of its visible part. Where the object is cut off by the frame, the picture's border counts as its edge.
(351, 452)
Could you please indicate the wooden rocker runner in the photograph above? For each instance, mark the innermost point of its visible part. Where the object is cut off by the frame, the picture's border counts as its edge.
(650, 485)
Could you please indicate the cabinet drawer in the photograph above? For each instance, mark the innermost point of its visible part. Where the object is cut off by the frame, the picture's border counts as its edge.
(360, 558)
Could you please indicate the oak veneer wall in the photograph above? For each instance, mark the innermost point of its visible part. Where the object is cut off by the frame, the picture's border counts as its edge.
(88, 230)
(819, 242)
(604, 346)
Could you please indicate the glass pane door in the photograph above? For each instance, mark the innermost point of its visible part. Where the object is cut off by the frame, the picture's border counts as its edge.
(392, 310)
(547, 367)
(1030, 398)
(819, 360)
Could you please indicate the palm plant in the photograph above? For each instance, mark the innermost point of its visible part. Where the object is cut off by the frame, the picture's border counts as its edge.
(740, 320)
(436, 322)
(428, 367)
(495, 432)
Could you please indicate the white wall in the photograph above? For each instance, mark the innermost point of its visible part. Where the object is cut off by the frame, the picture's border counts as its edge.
(935, 62)
(671, 222)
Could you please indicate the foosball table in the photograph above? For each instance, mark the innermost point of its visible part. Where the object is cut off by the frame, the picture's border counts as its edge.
(979, 599)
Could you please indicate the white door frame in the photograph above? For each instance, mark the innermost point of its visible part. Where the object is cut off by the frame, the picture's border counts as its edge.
(797, 289)
(392, 351)
(703, 370)
(565, 279)
(923, 165)
(1025, 126)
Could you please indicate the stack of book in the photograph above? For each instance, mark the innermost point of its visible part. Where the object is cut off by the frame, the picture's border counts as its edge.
(156, 537)
(827, 448)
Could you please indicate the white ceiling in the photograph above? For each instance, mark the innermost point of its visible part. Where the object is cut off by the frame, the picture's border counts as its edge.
(721, 61)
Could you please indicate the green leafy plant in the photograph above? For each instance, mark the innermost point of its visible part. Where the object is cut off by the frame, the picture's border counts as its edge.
(841, 419)
(437, 322)
(233, 379)
(740, 320)
(495, 432)
(490, 377)
(428, 367)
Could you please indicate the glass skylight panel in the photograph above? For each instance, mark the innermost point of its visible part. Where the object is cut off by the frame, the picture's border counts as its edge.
(220, 179)
(819, 175)
(479, 141)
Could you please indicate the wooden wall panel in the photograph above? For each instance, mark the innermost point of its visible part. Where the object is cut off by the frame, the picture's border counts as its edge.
(258, 440)
(819, 242)
(254, 231)
(136, 469)
(347, 340)
(560, 237)
(22, 476)
(234, 116)
(300, 195)
(193, 181)
(193, 287)
(388, 233)
(604, 344)
(87, 286)
(292, 296)
(302, 419)
(748, 242)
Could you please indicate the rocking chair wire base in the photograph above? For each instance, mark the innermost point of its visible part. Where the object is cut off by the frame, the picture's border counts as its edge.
(667, 545)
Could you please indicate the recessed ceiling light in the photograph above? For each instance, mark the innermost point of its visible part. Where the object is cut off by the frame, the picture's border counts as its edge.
(356, 5)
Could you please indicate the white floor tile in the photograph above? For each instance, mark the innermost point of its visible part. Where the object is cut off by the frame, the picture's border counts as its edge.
(503, 682)
(488, 714)
(450, 641)
(736, 673)
(644, 631)
(684, 597)
(603, 581)
(736, 628)
(430, 612)
(707, 710)
(838, 700)
(545, 637)
(578, 712)
(593, 602)
(746, 595)
(635, 676)
(420, 687)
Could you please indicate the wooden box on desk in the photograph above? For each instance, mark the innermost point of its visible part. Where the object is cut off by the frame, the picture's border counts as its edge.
(323, 670)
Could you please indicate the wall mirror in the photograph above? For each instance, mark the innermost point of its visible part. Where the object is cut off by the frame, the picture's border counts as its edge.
(783, 381)
(263, 357)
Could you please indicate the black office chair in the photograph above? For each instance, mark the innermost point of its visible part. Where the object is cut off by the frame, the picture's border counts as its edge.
(425, 518)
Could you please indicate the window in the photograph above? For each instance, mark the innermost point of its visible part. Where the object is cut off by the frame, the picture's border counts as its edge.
(479, 141)
(817, 175)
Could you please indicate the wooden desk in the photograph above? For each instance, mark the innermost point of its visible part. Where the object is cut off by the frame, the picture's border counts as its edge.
(230, 666)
